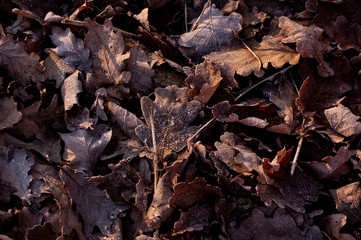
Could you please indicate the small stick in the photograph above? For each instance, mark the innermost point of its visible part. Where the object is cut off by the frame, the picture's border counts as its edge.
(185, 14)
(28, 14)
(294, 162)
(253, 53)
(200, 15)
(263, 81)
(199, 130)
(155, 153)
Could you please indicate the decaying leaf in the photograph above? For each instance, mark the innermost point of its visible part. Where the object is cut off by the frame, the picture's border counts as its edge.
(41, 232)
(15, 166)
(348, 199)
(332, 167)
(160, 210)
(84, 147)
(71, 49)
(237, 156)
(171, 112)
(106, 48)
(56, 68)
(213, 32)
(93, 204)
(343, 121)
(12, 116)
(270, 51)
(141, 73)
(20, 66)
(308, 42)
(194, 219)
(98, 105)
(70, 89)
(332, 225)
(198, 191)
(277, 168)
(260, 227)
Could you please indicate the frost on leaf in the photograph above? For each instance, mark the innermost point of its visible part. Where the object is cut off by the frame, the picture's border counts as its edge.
(343, 121)
(213, 33)
(106, 48)
(12, 116)
(308, 42)
(141, 73)
(348, 199)
(70, 89)
(56, 68)
(84, 146)
(332, 167)
(71, 49)
(198, 191)
(171, 112)
(92, 203)
(239, 158)
(270, 51)
(20, 66)
(15, 166)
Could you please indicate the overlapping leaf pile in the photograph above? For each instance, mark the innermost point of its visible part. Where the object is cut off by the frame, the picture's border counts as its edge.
(133, 120)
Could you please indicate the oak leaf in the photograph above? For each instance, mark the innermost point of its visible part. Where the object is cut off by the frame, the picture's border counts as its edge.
(92, 203)
(343, 121)
(12, 116)
(84, 146)
(70, 89)
(20, 66)
(15, 166)
(71, 49)
(106, 48)
(213, 33)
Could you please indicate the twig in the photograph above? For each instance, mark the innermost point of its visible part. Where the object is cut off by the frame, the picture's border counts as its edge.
(28, 14)
(263, 81)
(78, 23)
(294, 162)
(195, 24)
(199, 130)
(185, 14)
(155, 152)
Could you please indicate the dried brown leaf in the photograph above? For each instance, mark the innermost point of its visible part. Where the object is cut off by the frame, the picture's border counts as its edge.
(270, 50)
(213, 33)
(84, 147)
(172, 113)
(71, 49)
(12, 116)
(198, 191)
(141, 72)
(308, 42)
(93, 204)
(20, 66)
(348, 199)
(332, 225)
(277, 168)
(343, 121)
(106, 48)
(56, 68)
(15, 166)
(332, 167)
(70, 89)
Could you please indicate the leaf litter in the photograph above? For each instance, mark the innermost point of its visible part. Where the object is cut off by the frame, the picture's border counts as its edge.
(145, 120)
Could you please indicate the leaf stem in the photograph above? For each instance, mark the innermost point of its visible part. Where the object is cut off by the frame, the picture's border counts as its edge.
(294, 162)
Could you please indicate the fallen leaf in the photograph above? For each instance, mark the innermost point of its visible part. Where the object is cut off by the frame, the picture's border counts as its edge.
(71, 49)
(277, 168)
(308, 42)
(70, 89)
(20, 25)
(160, 210)
(84, 147)
(141, 72)
(41, 8)
(348, 199)
(171, 112)
(332, 225)
(68, 218)
(195, 219)
(213, 32)
(41, 232)
(56, 68)
(237, 156)
(270, 50)
(343, 121)
(78, 118)
(98, 105)
(93, 204)
(106, 48)
(12, 116)
(204, 82)
(332, 167)
(198, 191)
(15, 166)
(20, 66)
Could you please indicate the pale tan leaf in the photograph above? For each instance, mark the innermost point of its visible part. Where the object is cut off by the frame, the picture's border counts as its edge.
(70, 89)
